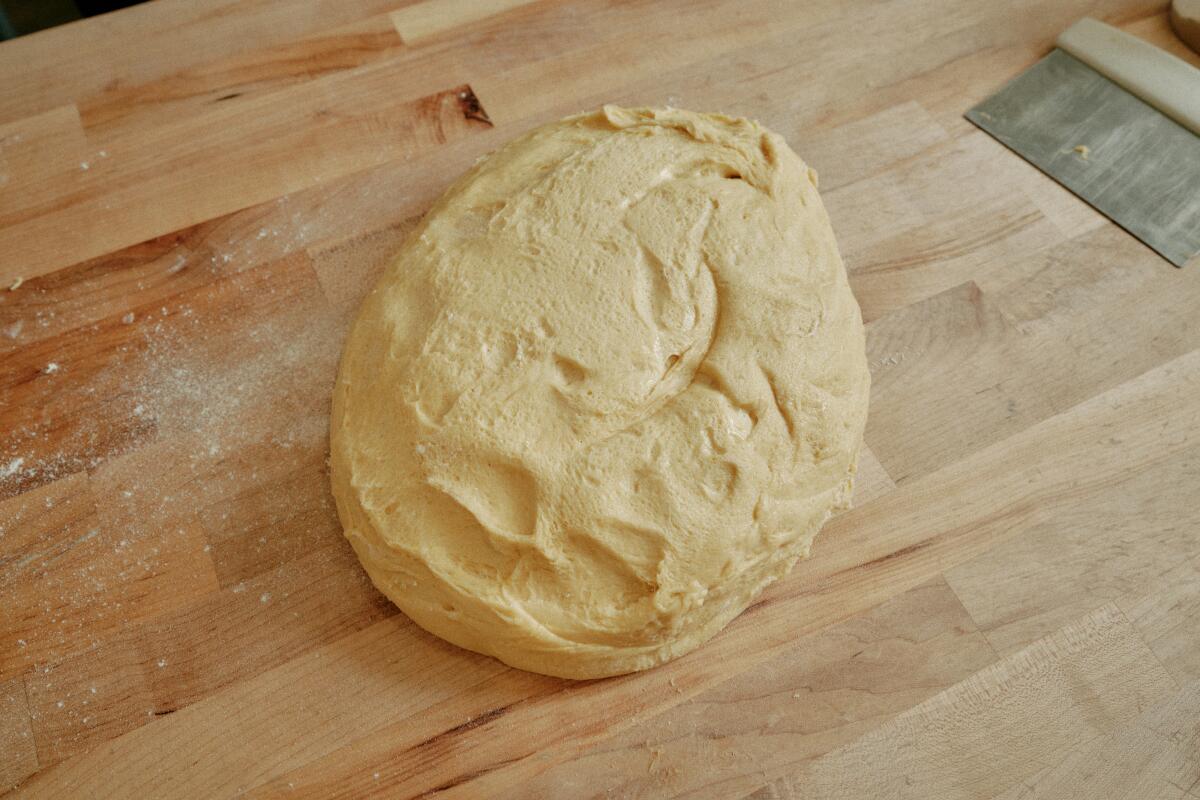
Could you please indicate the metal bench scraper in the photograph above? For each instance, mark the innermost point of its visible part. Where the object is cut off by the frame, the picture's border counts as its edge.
(1117, 121)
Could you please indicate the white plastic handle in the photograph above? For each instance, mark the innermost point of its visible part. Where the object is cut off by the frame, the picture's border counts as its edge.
(1168, 83)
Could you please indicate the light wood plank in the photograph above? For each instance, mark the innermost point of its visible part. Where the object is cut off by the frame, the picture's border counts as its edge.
(153, 669)
(332, 213)
(247, 478)
(604, 49)
(1126, 542)
(104, 693)
(348, 270)
(431, 17)
(822, 691)
(948, 353)
(139, 276)
(128, 47)
(74, 400)
(1167, 613)
(223, 161)
(872, 479)
(859, 148)
(16, 736)
(238, 78)
(1003, 724)
(824, 79)
(390, 669)
(68, 579)
(39, 529)
(1037, 581)
(933, 223)
(984, 364)
(1155, 755)
(37, 149)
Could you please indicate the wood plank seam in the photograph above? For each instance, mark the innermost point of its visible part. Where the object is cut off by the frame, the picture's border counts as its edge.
(268, 169)
(1142, 638)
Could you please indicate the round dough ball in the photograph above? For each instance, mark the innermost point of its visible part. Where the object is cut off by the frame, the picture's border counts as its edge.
(610, 388)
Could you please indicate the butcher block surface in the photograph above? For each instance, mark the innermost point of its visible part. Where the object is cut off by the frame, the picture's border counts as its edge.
(194, 197)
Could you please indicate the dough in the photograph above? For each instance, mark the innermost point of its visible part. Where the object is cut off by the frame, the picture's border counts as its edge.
(610, 388)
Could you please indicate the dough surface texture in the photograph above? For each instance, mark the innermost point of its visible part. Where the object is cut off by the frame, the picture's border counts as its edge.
(610, 388)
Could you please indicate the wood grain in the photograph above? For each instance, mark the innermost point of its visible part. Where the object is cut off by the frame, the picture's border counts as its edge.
(297, 138)
(238, 79)
(820, 692)
(1167, 614)
(81, 61)
(16, 735)
(994, 729)
(195, 197)
(431, 17)
(34, 149)
(1157, 754)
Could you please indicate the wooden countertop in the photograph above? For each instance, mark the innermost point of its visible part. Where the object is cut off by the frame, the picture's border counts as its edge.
(195, 195)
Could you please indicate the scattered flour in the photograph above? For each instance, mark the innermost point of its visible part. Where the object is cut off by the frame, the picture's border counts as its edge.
(226, 403)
